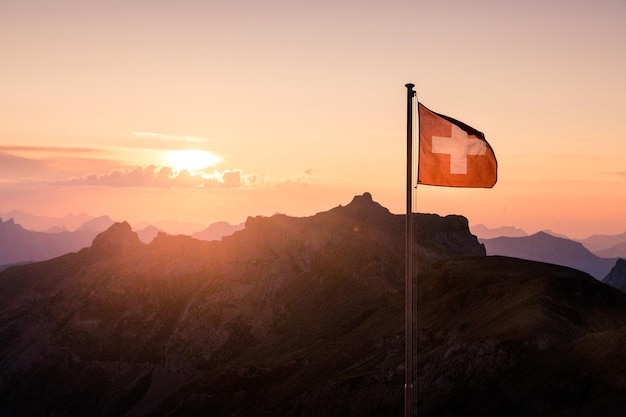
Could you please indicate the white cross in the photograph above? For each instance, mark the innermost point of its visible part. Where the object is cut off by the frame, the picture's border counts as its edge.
(459, 145)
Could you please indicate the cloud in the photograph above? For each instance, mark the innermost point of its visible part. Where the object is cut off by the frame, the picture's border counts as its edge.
(152, 176)
(166, 177)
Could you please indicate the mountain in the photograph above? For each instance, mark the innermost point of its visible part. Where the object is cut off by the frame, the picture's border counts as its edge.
(504, 336)
(148, 233)
(218, 230)
(598, 243)
(485, 232)
(545, 247)
(20, 245)
(271, 320)
(97, 224)
(46, 223)
(617, 276)
(305, 317)
(617, 251)
(173, 227)
(550, 232)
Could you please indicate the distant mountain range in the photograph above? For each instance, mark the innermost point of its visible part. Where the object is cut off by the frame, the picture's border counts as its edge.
(607, 245)
(305, 317)
(36, 223)
(218, 230)
(19, 245)
(72, 222)
(485, 232)
(604, 246)
(544, 247)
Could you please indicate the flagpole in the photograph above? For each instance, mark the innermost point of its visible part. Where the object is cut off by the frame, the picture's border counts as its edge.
(409, 387)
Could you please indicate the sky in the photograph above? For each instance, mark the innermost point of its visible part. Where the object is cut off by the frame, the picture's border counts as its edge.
(297, 106)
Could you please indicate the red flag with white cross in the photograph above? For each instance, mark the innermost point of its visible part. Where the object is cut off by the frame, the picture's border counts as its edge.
(453, 154)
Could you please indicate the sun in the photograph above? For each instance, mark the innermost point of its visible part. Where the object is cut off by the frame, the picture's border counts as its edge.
(190, 160)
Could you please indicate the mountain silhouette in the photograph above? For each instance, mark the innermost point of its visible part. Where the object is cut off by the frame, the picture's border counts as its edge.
(545, 247)
(148, 233)
(617, 276)
(598, 243)
(97, 224)
(45, 223)
(485, 232)
(218, 230)
(617, 251)
(18, 245)
(305, 317)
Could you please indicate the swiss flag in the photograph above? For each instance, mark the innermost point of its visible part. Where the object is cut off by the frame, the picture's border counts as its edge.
(453, 154)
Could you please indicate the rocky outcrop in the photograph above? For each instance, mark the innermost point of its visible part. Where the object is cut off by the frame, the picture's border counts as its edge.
(117, 239)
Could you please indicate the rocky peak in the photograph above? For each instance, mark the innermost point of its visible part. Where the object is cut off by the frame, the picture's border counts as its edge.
(10, 227)
(117, 238)
(364, 205)
(9, 222)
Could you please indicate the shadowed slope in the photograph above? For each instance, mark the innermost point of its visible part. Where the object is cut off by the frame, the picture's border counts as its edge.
(504, 336)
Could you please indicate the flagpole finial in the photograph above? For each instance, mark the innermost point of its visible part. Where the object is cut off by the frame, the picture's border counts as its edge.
(409, 87)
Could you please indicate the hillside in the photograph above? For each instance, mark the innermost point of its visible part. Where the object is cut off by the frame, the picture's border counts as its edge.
(502, 336)
(305, 317)
(544, 247)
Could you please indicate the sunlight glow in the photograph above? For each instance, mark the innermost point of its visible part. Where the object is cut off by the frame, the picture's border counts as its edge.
(190, 160)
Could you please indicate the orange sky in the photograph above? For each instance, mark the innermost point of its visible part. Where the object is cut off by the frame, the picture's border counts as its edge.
(303, 106)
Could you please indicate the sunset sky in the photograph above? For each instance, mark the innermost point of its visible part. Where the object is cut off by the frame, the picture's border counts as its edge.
(300, 105)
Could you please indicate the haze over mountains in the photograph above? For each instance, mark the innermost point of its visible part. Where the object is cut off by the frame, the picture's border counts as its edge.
(305, 317)
(72, 222)
(64, 235)
(597, 255)
(544, 247)
(605, 246)
(20, 245)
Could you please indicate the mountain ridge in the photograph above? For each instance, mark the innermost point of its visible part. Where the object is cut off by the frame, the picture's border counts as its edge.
(19, 245)
(305, 316)
(545, 247)
(257, 306)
